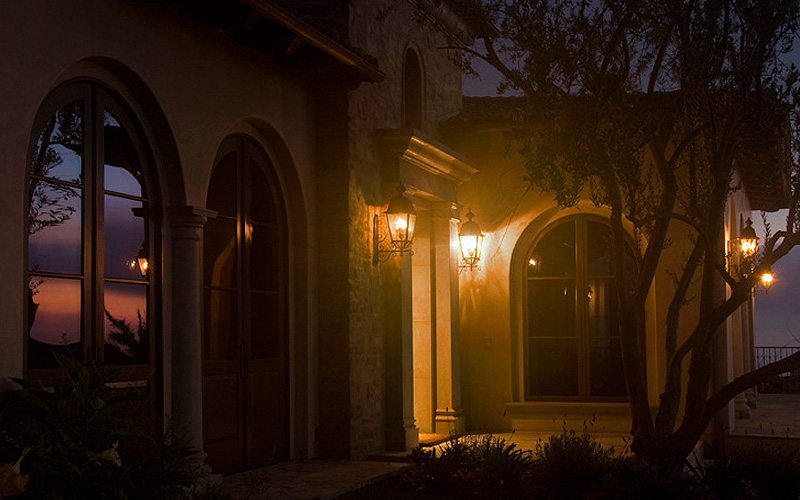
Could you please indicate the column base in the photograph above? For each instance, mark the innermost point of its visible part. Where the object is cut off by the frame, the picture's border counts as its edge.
(449, 422)
(750, 394)
(741, 408)
(402, 437)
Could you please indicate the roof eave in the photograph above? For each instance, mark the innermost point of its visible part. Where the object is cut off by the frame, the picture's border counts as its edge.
(368, 71)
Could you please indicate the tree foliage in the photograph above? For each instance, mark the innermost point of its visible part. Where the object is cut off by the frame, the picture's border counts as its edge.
(647, 107)
(49, 204)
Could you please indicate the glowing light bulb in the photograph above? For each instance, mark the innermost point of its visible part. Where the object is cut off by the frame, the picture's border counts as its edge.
(749, 246)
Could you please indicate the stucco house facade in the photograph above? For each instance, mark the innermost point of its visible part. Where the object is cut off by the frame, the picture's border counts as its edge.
(200, 182)
(194, 191)
(534, 357)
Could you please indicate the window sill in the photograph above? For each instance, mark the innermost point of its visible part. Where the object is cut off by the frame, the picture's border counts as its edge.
(554, 417)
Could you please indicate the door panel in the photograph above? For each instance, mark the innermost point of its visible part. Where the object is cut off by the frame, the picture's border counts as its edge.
(223, 436)
(267, 439)
(245, 392)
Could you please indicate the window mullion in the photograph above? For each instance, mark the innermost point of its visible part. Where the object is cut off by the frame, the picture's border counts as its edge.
(247, 235)
(582, 313)
(97, 173)
(241, 246)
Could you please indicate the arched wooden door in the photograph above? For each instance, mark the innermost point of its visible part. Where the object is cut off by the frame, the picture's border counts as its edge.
(245, 381)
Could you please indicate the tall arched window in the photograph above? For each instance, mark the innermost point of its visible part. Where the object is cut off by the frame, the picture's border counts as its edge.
(92, 256)
(413, 91)
(245, 368)
(571, 342)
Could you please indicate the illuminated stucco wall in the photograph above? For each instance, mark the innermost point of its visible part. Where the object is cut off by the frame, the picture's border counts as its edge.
(511, 215)
(190, 86)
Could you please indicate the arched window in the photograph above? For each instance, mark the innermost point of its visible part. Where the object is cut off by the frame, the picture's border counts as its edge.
(413, 92)
(92, 256)
(245, 366)
(571, 341)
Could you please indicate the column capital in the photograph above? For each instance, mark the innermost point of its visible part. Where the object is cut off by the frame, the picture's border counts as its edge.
(189, 216)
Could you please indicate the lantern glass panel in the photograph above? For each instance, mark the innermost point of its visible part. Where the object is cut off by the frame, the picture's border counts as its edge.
(748, 246)
(401, 228)
(469, 246)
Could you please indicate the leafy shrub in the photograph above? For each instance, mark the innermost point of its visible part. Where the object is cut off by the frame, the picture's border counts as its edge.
(758, 474)
(76, 443)
(448, 469)
(500, 465)
(485, 466)
(634, 479)
(569, 465)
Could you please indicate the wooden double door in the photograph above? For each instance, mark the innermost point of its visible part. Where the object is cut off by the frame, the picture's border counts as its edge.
(245, 381)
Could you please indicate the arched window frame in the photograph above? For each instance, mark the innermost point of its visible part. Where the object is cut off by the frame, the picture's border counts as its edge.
(99, 99)
(413, 103)
(522, 390)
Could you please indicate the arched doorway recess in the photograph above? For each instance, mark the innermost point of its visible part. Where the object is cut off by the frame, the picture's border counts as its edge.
(245, 361)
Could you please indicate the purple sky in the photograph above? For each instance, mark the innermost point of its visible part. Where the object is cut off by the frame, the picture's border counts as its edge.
(777, 318)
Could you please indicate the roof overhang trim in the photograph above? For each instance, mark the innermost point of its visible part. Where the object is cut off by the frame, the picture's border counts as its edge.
(426, 153)
(314, 37)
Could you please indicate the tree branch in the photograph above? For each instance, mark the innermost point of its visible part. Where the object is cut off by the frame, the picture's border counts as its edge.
(717, 401)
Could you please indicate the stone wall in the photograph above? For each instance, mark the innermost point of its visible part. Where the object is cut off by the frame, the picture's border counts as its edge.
(372, 107)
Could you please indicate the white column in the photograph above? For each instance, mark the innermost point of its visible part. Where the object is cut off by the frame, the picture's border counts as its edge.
(750, 350)
(424, 331)
(400, 432)
(448, 417)
(739, 332)
(186, 224)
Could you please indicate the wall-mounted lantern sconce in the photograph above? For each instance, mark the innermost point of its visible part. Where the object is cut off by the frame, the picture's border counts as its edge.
(748, 241)
(140, 262)
(742, 251)
(766, 280)
(400, 221)
(470, 239)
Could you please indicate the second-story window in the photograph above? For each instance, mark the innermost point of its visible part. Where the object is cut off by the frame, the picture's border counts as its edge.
(413, 91)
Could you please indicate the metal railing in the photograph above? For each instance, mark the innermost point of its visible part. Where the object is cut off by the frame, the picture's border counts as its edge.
(787, 382)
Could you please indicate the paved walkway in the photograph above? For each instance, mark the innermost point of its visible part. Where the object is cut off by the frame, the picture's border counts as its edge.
(328, 479)
(774, 415)
(308, 480)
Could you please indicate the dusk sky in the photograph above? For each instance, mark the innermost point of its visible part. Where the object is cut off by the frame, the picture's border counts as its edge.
(777, 318)
(58, 248)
